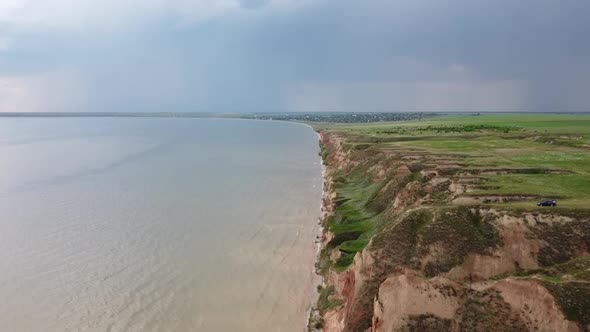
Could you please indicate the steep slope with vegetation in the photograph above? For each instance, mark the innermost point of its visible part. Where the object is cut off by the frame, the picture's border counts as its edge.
(432, 225)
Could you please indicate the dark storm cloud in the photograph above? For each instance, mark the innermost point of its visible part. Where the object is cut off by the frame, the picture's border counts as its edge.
(298, 55)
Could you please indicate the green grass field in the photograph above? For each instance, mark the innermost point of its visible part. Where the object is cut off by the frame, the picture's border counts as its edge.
(550, 123)
(509, 161)
(556, 147)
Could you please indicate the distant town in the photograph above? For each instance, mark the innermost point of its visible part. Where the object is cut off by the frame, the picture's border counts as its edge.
(336, 117)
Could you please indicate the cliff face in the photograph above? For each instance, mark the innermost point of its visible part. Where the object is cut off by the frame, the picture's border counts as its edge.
(418, 255)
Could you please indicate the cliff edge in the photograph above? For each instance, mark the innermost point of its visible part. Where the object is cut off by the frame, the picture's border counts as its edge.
(416, 240)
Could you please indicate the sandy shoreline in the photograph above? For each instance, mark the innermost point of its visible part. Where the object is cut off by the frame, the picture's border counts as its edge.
(314, 313)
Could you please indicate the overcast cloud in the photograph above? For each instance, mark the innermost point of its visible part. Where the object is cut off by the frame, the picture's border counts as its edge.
(294, 55)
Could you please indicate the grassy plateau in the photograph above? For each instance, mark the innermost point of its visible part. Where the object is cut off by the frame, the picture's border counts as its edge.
(428, 193)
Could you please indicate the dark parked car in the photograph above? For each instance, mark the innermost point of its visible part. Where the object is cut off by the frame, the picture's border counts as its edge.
(547, 203)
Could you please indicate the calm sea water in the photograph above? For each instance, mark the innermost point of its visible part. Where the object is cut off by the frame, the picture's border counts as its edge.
(157, 224)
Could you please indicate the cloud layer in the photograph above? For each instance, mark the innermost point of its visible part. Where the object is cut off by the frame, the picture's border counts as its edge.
(289, 55)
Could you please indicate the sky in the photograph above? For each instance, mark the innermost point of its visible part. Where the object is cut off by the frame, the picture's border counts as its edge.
(294, 55)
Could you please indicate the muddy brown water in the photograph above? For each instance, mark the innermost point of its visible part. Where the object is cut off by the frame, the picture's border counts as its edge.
(157, 224)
